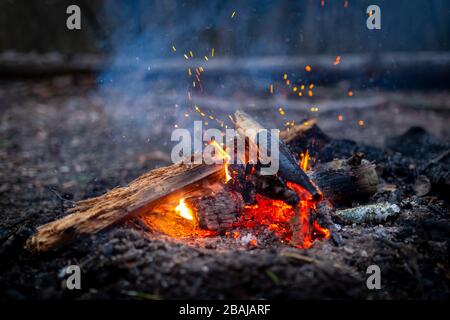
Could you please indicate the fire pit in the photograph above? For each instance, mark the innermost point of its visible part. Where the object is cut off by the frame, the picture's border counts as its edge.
(230, 200)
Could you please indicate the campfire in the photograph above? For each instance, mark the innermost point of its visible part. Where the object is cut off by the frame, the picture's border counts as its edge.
(229, 200)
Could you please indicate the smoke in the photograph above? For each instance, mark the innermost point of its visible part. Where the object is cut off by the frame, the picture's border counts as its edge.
(146, 86)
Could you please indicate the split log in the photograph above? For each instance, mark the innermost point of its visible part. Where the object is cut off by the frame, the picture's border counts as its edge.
(92, 215)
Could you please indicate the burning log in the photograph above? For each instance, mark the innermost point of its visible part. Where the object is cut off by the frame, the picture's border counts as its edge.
(218, 211)
(288, 167)
(142, 195)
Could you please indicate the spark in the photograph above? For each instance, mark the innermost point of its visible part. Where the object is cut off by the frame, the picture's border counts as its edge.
(285, 76)
(206, 58)
(337, 60)
(350, 93)
(174, 49)
(212, 52)
(310, 93)
(281, 111)
(311, 86)
(340, 117)
(361, 122)
(186, 56)
(271, 88)
(308, 68)
(191, 54)
(233, 14)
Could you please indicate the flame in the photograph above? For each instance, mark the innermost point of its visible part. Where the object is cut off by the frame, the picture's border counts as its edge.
(304, 160)
(222, 154)
(184, 211)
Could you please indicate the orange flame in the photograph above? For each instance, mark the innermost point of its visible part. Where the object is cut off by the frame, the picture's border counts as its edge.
(184, 211)
(222, 154)
(304, 160)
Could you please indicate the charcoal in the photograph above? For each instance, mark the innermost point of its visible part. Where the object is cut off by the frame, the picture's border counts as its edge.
(418, 144)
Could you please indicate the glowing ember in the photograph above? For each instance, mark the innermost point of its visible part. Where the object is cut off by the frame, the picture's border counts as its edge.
(276, 215)
(184, 211)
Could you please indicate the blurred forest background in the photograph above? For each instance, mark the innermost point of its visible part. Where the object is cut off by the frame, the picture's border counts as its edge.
(260, 27)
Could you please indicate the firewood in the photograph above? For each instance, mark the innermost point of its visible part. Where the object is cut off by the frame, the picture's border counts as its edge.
(288, 167)
(92, 215)
(344, 181)
(217, 211)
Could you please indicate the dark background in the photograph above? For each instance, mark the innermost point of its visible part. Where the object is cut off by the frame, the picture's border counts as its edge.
(264, 27)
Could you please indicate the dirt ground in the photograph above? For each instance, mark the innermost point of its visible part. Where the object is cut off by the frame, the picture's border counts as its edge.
(63, 140)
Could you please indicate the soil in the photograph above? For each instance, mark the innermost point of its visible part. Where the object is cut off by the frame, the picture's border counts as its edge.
(62, 140)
